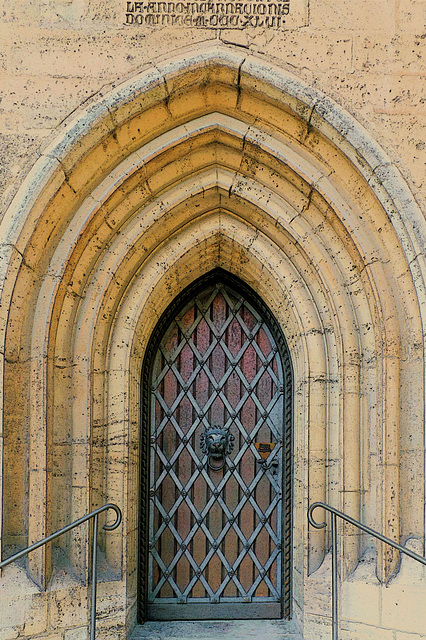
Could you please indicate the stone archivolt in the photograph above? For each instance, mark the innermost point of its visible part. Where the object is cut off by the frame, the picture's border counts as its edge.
(211, 161)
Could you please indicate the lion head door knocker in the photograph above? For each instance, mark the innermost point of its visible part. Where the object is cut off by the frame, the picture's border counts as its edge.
(217, 443)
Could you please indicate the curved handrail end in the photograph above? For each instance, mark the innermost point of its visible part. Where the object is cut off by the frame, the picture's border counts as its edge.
(316, 525)
(118, 518)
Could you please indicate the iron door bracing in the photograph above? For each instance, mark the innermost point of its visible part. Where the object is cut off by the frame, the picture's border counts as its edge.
(215, 521)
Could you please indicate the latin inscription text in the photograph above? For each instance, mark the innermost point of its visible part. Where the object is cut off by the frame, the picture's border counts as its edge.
(216, 15)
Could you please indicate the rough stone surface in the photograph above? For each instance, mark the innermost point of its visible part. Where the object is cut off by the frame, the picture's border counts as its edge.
(138, 153)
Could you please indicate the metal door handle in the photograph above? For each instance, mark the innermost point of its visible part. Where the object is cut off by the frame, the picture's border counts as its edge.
(273, 465)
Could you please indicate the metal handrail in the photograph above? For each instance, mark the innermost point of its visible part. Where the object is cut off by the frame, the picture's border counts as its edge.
(334, 575)
(108, 527)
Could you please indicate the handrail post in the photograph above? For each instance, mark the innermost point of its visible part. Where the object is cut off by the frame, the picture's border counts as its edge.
(334, 569)
(69, 527)
(334, 578)
(94, 577)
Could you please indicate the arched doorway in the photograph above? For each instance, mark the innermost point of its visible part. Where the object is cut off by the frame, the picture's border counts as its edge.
(216, 471)
(286, 190)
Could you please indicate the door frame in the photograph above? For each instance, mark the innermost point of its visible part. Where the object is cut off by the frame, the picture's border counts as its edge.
(181, 300)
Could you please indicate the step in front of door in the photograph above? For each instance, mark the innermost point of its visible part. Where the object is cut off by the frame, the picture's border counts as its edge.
(218, 630)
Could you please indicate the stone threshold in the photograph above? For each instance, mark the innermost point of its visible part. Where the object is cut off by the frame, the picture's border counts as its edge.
(217, 630)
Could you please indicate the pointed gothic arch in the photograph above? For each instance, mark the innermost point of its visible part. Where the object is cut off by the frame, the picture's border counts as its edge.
(273, 393)
(211, 160)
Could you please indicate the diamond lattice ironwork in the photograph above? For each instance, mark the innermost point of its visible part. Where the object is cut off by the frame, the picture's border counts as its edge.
(215, 535)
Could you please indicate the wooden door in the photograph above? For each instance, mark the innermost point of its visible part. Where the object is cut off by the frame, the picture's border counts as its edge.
(217, 463)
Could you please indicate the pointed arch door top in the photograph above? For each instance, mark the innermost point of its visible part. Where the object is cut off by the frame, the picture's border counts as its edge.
(216, 519)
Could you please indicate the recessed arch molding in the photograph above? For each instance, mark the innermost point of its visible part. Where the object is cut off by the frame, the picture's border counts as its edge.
(212, 160)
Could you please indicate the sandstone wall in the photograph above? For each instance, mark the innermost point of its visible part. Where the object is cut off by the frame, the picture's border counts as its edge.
(369, 56)
(283, 141)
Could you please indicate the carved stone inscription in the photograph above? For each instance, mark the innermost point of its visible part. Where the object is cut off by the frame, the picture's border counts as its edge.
(215, 14)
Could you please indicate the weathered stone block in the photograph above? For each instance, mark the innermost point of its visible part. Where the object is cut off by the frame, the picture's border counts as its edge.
(402, 607)
(361, 602)
(80, 633)
(68, 607)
